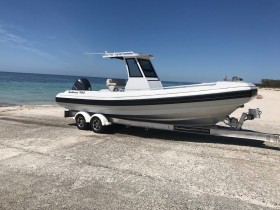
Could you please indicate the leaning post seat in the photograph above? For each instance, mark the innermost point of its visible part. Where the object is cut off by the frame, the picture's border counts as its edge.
(113, 84)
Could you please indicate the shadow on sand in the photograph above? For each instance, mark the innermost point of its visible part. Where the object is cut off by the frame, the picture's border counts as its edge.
(182, 136)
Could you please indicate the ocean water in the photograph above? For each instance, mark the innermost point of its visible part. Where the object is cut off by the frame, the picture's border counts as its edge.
(38, 89)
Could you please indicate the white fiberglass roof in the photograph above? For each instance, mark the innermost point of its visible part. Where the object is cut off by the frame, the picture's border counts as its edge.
(122, 55)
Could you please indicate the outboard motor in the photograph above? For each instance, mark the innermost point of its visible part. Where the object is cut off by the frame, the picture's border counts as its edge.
(81, 84)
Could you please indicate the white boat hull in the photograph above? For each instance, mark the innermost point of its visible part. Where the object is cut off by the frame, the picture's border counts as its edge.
(200, 113)
(201, 105)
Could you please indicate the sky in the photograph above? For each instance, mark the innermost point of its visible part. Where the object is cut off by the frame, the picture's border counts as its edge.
(191, 40)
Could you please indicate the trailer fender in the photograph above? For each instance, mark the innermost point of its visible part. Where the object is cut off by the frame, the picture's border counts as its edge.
(86, 116)
(102, 118)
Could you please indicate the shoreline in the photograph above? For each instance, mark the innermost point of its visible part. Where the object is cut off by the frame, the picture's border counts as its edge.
(9, 104)
(4, 104)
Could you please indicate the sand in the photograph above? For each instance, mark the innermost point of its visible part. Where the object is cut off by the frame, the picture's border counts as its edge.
(268, 101)
(47, 163)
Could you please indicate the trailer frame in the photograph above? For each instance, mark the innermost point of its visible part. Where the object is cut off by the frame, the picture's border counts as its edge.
(99, 122)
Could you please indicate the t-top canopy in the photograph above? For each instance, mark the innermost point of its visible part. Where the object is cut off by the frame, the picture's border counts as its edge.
(123, 55)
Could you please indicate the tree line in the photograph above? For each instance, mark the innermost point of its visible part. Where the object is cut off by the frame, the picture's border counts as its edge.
(270, 83)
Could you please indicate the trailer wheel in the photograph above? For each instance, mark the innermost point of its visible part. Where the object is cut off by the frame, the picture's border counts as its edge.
(81, 122)
(96, 125)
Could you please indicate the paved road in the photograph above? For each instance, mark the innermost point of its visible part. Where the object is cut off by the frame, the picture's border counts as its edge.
(47, 163)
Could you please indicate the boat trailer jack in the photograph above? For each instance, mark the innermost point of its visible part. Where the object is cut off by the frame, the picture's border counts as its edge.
(237, 124)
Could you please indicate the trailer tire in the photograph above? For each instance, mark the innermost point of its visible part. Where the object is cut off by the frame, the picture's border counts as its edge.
(96, 125)
(81, 122)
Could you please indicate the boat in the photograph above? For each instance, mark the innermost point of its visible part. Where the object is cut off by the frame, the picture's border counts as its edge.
(142, 97)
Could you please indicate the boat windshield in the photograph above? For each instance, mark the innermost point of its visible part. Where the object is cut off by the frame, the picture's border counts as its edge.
(133, 69)
(147, 68)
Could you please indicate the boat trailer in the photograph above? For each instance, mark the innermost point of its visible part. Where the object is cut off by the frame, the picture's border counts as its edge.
(99, 122)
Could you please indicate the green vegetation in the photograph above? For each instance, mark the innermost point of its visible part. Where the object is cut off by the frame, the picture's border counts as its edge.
(269, 83)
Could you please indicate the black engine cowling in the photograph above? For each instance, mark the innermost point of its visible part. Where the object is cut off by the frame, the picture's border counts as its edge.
(81, 84)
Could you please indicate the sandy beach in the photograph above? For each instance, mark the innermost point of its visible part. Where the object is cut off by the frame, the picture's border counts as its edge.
(268, 101)
(47, 163)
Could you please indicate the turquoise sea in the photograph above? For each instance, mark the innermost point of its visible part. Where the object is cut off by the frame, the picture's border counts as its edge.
(38, 89)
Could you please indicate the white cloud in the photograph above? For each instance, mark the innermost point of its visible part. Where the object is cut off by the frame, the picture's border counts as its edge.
(14, 40)
(8, 37)
(35, 51)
